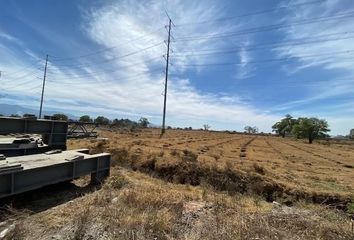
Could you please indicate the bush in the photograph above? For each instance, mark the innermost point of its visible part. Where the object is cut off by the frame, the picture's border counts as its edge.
(116, 182)
(259, 169)
(350, 208)
(189, 156)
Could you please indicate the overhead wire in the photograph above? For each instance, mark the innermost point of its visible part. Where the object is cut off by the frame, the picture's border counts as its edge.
(108, 60)
(115, 69)
(264, 28)
(269, 45)
(5, 74)
(265, 60)
(93, 80)
(58, 59)
(251, 13)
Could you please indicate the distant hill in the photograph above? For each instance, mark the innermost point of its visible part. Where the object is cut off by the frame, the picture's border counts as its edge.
(8, 109)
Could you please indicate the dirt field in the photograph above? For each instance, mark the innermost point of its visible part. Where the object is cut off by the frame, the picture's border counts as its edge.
(198, 185)
(323, 167)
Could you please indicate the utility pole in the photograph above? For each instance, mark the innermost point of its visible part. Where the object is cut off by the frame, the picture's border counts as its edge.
(44, 76)
(166, 76)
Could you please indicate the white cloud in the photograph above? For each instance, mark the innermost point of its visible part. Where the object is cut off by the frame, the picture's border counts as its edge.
(129, 26)
(244, 70)
(318, 29)
(10, 38)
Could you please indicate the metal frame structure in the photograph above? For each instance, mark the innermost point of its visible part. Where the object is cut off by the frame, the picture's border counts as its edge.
(25, 173)
(82, 130)
(53, 134)
(37, 166)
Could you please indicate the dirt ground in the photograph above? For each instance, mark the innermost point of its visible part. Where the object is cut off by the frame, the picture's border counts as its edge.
(323, 167)
(197, 185)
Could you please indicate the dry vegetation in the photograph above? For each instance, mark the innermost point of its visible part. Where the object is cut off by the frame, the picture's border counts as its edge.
(204, 185)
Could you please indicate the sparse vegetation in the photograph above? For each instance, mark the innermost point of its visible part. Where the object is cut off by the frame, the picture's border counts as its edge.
(193, 185)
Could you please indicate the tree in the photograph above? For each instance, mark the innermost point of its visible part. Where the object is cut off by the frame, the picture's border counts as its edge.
(60, 116)
(85, 118)
(249, 129)
(310, 128)
(144, 122)
(123, 123)
(206, 127)
(102, 120)
(15, 115)
(284, 126)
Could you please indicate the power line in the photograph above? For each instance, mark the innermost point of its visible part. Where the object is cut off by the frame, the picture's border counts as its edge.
(32, 73)
(111, 59)
(21, 70)
(266, 60)
(251, 14)
(121, 68)
(18, 84)
(103, 81)
(264, 28)
(57, 59)
(273, 45)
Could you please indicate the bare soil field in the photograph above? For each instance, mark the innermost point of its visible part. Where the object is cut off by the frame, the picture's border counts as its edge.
(322, 169)
(198, 185)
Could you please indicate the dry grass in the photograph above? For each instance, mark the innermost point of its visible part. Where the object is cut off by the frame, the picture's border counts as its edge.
(205, 185)
(275, 167)
(132, 205)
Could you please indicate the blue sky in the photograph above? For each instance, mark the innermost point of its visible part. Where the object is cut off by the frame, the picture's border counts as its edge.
(234, 63)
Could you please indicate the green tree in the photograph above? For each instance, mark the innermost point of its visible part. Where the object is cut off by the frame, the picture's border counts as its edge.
(284, 126)
(206, 127)
(85, 118)
(249, 129)
(143, 122)
(102, 120)
(60, 116)
(310, 128)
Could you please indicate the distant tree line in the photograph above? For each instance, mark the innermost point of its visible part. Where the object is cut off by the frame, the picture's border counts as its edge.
(100, 120)
(120, 123)
(302, 127)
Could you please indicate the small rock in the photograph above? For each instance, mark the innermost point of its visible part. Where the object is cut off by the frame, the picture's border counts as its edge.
(115, 200)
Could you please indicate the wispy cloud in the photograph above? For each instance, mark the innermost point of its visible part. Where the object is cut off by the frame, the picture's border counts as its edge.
(10, 38)
(116, 27)
(117, 83)
(333, 72)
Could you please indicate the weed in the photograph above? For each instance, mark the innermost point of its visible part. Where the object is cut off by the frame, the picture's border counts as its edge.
(189, 156)
(120, 156)
(174, 153)
(350, 207)
(116, 182)
(259, 169)
(81, 223)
